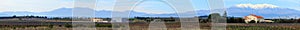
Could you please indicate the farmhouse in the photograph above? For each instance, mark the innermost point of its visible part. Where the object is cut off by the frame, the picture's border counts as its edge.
(100, 19)
(256, 18)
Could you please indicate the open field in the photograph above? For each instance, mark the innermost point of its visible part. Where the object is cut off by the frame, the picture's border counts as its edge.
(144, 26)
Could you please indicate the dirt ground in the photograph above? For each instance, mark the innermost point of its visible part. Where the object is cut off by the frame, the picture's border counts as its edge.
(177, 26)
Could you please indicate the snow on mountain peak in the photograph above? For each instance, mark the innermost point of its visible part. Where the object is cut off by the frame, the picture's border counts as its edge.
(256, 6)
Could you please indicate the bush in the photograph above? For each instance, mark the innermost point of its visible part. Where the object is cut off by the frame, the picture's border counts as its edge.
(258, 28)
(68, 25)
(103, 25)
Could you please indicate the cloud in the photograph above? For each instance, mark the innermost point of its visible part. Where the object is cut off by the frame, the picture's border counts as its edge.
(33, 5)
(256, 6)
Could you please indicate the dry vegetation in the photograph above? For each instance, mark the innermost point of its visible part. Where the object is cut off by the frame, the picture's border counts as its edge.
(170, 26)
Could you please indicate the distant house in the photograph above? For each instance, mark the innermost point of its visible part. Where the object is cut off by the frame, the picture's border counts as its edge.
(256, 18)
(100, 20)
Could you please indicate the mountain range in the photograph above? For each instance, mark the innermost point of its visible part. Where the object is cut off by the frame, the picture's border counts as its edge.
(232, 11)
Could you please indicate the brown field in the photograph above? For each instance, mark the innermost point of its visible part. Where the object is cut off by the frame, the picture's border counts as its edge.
(170, 26)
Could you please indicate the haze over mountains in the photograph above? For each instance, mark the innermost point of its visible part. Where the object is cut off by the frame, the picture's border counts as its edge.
(232, 11)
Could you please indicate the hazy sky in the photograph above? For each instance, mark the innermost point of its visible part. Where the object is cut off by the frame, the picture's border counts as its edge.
(152, 7)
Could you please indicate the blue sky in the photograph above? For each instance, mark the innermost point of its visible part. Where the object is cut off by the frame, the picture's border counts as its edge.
(150, 7)
(49, 5)
(293, 4)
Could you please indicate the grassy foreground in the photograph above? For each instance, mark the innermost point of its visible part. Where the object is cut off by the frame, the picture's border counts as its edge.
(170, 26)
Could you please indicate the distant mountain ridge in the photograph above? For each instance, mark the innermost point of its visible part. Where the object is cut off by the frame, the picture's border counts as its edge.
(232, 11)
(265, 12)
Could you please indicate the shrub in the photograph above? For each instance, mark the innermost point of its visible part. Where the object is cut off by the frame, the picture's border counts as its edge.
(258, 28)
(68, 25)
(103, 25)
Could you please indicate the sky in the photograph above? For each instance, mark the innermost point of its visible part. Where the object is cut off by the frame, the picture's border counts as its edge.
(150, 7)
(293, 4)
(32, 5)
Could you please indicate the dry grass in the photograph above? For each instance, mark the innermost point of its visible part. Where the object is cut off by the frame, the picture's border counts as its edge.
(176, 26)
